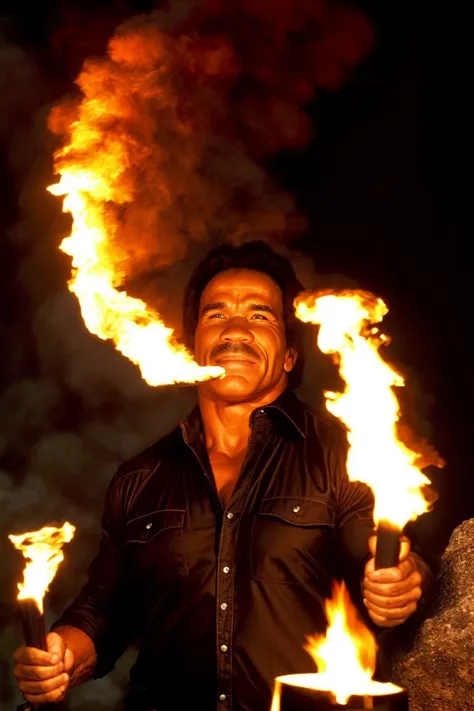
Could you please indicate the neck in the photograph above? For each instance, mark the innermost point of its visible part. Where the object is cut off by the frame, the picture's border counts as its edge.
(226, 424)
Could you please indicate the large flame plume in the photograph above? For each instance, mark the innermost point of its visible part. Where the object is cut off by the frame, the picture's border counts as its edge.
(162, 149)
(368, 407)
(137, 330)
(43, 553)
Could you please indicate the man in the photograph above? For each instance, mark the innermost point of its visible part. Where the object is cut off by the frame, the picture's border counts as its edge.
(220, 541)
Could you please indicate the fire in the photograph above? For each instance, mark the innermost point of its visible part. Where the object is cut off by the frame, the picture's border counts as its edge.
(42, 550)
(93, 170)
(368, 407)
(345, 656)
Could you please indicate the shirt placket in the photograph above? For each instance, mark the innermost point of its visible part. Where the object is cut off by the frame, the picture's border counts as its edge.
(226, 570)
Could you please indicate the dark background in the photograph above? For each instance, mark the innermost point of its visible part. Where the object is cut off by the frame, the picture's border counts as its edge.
(384, 184)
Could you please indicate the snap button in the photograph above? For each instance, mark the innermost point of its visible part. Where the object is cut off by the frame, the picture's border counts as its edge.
(296, 509)
(148, 526)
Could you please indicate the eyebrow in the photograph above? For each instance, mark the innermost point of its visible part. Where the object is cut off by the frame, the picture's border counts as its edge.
(251, 307)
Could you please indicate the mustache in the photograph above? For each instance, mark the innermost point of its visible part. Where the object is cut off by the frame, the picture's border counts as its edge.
(237, 348)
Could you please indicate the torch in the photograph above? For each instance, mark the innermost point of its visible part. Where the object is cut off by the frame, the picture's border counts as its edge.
(370, 410)
(43, 553)
(345, 657)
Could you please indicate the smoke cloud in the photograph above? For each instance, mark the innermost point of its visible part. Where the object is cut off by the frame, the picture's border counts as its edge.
(200, 99)
(194, 107)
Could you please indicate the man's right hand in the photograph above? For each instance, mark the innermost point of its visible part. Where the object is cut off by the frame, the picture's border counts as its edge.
(43, 677)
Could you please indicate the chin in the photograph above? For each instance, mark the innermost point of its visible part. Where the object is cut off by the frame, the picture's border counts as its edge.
(233, 388)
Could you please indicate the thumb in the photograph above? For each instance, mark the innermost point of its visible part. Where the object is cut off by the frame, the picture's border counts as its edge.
(68, 661)
(56, 646)
(372, 544)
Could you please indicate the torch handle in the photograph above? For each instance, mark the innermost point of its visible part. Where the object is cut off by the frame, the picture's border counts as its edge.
(387, 551)
(32, 622)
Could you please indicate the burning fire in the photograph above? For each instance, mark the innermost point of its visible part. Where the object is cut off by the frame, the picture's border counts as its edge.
(42, 550)
(137, 330)
(345, 656)
(368, 407)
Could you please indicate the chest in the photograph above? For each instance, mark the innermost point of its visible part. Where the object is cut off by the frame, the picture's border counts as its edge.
(226, 470)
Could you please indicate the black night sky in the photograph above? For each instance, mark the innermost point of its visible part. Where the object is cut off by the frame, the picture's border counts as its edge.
(384, 184)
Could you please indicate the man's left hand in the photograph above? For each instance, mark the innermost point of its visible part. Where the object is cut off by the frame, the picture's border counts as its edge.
(391, 595)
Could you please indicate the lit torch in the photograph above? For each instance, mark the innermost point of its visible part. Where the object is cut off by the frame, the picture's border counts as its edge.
(345, 658)
(370, 411)
(43, 553)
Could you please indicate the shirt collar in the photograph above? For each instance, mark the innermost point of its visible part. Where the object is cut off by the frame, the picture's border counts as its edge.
(287, 403)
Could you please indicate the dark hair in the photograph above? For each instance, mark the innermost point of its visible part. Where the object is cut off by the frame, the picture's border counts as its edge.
(260, 257)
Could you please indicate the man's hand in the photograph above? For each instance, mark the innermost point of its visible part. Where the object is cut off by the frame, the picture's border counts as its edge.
(391, 595)
(43, 677)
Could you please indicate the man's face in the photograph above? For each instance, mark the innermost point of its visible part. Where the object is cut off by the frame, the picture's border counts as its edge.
(241, 329)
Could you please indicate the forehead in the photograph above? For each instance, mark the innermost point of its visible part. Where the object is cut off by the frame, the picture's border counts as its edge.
(242, 285)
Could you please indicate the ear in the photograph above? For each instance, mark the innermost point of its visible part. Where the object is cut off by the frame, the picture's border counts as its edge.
(290, 360)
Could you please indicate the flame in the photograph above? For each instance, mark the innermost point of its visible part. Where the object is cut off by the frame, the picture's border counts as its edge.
(345, 656)
(89, 192)
(368, 407)
(42, 550)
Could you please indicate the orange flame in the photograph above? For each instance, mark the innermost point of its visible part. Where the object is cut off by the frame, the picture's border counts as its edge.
(95, 165)
(368, 407)
(345, 656)
(42, 550)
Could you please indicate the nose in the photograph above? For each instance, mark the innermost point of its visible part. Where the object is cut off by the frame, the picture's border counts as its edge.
(237, 331)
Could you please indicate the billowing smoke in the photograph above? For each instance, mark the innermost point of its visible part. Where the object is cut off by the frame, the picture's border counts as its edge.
(200, 98)
(185, 112)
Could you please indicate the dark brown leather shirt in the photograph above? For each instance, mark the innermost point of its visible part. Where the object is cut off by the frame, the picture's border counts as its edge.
(220, 601)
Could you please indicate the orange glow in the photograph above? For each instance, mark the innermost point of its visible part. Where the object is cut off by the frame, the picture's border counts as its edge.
(368, 407)
(43, 554)
(345, 656)
(94, 168)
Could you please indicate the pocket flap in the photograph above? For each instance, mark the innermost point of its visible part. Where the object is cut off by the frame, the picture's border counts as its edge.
(144, 528)
(299, 511)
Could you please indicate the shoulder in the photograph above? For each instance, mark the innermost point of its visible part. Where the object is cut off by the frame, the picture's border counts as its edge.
(328, 430)
(132, 475)
(148, 459)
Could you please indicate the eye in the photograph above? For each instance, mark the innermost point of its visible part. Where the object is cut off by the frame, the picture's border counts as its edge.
(217, 315)
(259, 316)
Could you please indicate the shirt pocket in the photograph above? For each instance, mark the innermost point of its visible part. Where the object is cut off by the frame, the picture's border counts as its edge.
(154, 547)
(291, 540)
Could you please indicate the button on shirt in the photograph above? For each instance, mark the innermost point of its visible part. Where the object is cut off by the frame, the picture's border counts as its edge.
(219, 601)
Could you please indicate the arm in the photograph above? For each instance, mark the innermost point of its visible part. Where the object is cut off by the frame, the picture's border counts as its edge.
(98, 610)
(390, 596)
(92, 633)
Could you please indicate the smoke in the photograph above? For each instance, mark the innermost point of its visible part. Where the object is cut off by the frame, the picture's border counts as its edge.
(200, 99)
(185, 112)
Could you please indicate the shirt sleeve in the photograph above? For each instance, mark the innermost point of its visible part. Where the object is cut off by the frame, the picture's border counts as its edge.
(354, 514)
(99, 608)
